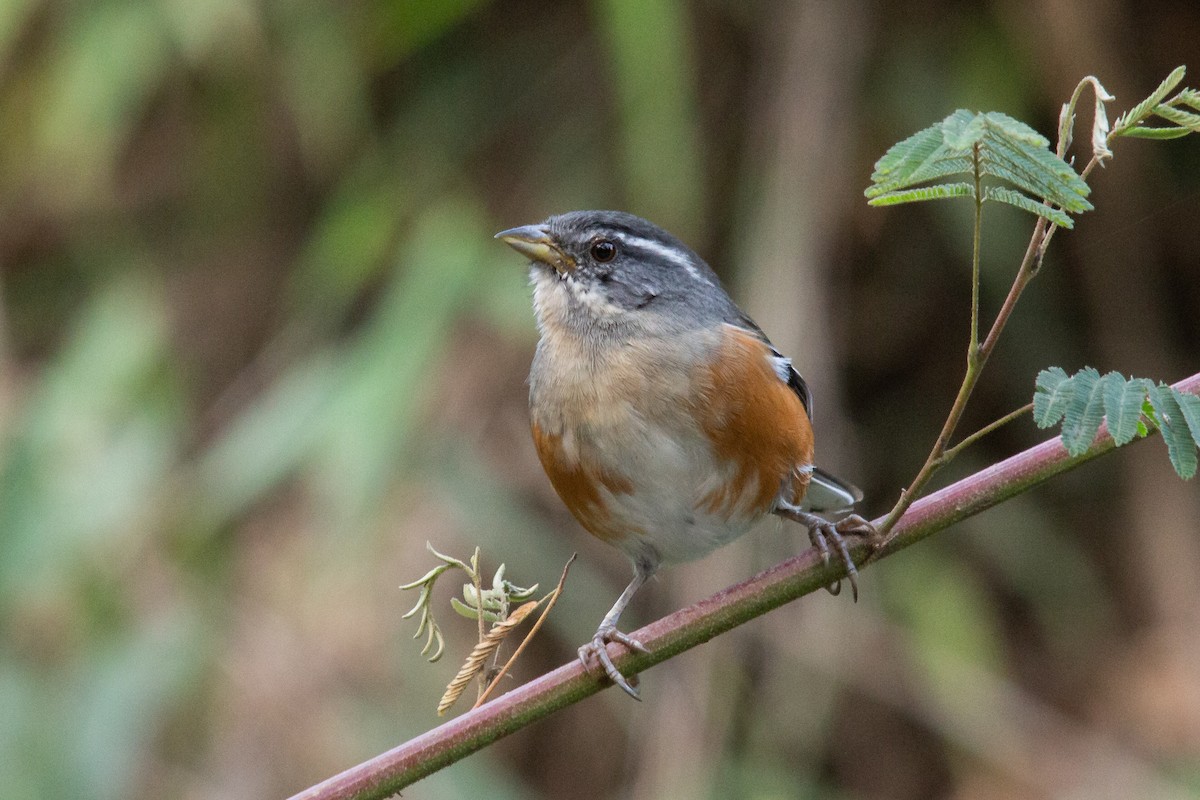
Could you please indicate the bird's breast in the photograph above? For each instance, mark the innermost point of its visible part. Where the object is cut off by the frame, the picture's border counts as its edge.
(641, 439)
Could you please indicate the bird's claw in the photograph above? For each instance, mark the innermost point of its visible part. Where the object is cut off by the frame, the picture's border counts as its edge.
(854, 525)
(597, 651)
(822, 532)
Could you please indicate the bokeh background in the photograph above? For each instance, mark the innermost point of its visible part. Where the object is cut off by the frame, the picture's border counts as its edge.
(257, 346)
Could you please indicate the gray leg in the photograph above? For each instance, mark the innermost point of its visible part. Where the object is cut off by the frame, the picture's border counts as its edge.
(597, 648)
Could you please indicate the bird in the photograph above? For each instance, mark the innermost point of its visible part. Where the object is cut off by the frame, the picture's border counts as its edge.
(663, 416)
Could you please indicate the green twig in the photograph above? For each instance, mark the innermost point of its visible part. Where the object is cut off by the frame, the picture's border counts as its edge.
(477, 581)
(976, 237)
(977, 356)
(952, 452)
(1031, 263)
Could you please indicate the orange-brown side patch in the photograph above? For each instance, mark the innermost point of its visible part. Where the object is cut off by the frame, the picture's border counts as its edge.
(755, 422)
(578, 485)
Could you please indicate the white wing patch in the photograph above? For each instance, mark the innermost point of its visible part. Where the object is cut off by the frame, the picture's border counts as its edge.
(782, 366)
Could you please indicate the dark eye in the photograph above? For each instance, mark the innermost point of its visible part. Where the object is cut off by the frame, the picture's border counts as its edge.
(604, 251)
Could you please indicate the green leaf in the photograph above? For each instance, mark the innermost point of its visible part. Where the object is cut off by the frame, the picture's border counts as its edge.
(1142, 132)
(1024, 203)
(1036, 169)
(1189, 404)
(936, 192)
(903, 158)
(1181, 448)
(422, 601)
(1148, 409)
(1123, 401)
(1189, 97)
(472, 613)
(493, 600)
(435, 638)
(1144, 108)
(962, 130)
(451, 561)
(943, 163)
(519, 594)
(1082, 416)
(926, 155)
(1052, 393)
(1016, 131)
(1181, 118)
(428, 577)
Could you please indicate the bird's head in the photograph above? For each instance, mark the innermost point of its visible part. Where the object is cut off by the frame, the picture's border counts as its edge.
(612, 269)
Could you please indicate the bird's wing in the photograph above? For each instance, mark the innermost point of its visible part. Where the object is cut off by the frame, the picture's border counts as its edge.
(783, 365)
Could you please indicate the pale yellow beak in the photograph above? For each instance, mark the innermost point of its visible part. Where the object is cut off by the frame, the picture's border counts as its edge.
(534, 242)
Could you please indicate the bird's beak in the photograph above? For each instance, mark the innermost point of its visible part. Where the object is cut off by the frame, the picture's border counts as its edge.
(535, 242)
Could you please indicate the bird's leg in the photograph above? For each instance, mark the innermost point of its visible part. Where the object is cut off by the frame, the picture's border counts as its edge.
(824, 533)
(597, 648)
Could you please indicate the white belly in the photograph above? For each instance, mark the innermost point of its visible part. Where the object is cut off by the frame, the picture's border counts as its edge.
(636, 423)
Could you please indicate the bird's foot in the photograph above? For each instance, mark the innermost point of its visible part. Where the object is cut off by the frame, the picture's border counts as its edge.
(597, 651)
(825, 535)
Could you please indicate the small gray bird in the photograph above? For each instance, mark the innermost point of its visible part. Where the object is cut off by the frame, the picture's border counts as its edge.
(665, 419)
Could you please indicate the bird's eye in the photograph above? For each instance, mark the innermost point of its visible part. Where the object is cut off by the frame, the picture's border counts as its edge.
(604, 251)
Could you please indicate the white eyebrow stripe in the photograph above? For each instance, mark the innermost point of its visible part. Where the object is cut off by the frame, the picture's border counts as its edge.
(664, 252)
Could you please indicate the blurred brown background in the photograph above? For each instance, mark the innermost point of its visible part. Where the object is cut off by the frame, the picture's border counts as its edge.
(257, 347)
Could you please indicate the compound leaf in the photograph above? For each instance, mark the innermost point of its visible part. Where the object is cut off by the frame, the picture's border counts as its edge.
(993, 147)
(1145, 108)
(1132, 408)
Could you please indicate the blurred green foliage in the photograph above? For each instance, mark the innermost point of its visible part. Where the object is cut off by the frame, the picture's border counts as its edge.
(257, 346)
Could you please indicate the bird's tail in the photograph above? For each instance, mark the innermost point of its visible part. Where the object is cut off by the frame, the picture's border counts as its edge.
(829, 494)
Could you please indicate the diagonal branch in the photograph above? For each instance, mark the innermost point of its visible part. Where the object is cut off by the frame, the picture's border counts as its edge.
(386, 774)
